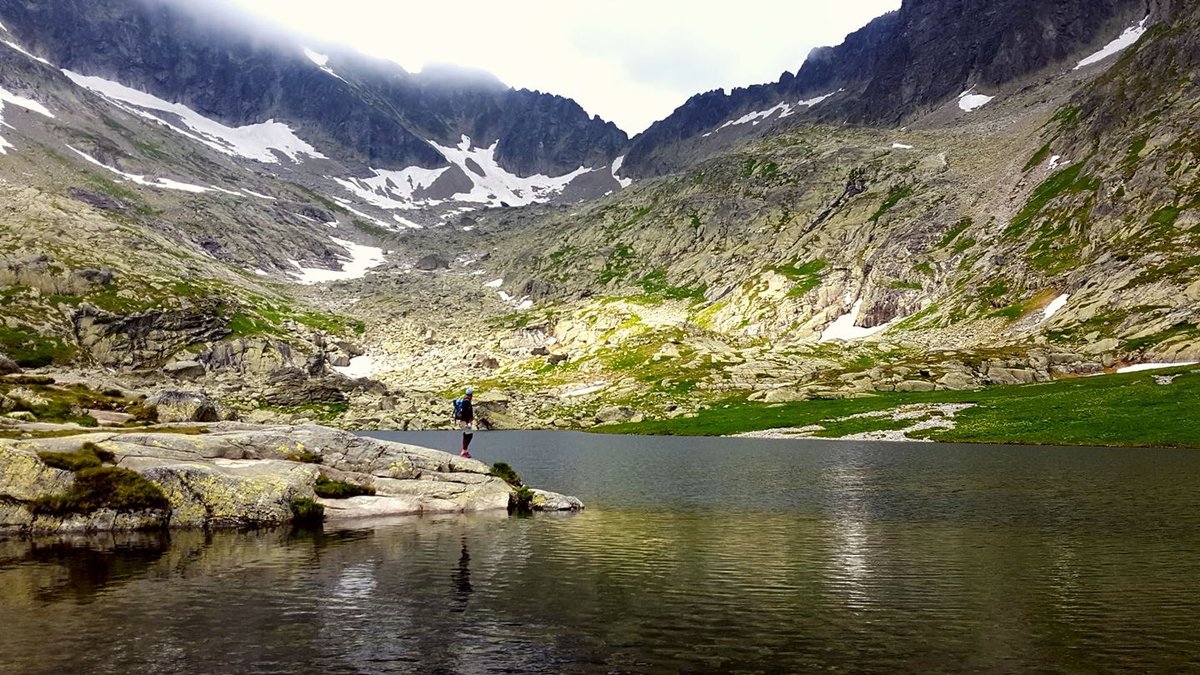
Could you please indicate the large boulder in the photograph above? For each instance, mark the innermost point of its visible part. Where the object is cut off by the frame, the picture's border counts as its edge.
(8, 366)
(182, 406)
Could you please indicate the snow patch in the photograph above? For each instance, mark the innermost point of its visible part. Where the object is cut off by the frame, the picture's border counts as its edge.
(360, 366)
(1127, 39)
(756, 117)
(346, 205)
(1055, 305)
(844, 329)
(495, 283)
(524, 305)
(616, 172)
(393, 190)
(29, 104)
(322, 62)
(22, 50)
(252, 193)
(808, 103)
(969, 100)
(585, 391)
(1057, 161)
(901, 146)
(362, 258)
(407, 223)
(7, 96)
(497, 185)
(259, 142)
(1137, 368)
(162, 183)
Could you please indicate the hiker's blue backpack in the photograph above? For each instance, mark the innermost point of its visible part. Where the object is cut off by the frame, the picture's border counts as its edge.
(460, 408)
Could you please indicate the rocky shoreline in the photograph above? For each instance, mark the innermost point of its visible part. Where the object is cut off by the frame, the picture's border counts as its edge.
(236, 475)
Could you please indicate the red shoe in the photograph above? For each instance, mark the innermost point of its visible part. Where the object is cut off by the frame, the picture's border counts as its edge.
(465, 454)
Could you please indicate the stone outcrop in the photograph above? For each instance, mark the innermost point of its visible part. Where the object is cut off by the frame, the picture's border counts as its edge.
(8, 366)
(182, 406)
(241, 475)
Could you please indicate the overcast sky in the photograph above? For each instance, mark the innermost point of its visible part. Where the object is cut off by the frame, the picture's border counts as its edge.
(629, 61)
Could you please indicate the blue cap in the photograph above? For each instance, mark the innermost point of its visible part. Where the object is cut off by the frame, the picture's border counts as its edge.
(470, 391)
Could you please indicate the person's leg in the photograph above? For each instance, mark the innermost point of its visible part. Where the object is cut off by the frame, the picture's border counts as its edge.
(466, 441)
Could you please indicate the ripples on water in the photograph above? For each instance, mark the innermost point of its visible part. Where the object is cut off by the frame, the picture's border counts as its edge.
(694, 556)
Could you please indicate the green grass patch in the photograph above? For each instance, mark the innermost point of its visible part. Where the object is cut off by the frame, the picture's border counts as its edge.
(952, 234)
(1038, 157)
(1131, 410)
(806, 274)
(617, 265)
(89, 456)
(1068, 180)
(1164, 219)
(1177, 270)
(1179, 330)
(328, 488)
(307, 513)
(31, 350)
(103, 487)
(655, 284)
(894, 197)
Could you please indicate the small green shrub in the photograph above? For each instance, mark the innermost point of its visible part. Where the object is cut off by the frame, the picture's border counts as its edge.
(104, 487)
(522, 500)
(336, 489)
(307, 512)
(506, 473)
(87, 457)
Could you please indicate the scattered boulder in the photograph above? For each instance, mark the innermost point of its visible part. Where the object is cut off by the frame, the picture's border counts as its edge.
(182, 406)
(8, 366)
(556, 359)
(540, 351)
(915, 385)
(958, 381)
(184, 370)
(22, 416)
(108, 418)
(613, 413)
(432, 262)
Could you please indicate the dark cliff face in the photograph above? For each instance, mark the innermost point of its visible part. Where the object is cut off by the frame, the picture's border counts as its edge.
(905, 62)
(371, 111)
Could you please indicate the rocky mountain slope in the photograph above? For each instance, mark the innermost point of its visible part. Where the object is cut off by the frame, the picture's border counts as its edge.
(1033, 218)
(1044, 233)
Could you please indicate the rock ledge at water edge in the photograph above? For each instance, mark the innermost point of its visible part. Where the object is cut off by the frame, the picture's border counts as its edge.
(233, 475)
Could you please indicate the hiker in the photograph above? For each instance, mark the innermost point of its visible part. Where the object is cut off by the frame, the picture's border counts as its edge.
(464, 414)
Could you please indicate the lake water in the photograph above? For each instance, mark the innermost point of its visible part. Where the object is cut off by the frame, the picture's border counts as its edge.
(695, 555)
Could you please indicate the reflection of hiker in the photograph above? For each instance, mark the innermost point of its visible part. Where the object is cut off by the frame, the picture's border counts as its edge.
(462, 578)
(464, 414)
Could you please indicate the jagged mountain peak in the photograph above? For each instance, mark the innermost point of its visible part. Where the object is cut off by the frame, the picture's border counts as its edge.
(901, 65)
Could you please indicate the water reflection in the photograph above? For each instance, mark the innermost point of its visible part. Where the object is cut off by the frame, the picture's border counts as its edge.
(841, 560)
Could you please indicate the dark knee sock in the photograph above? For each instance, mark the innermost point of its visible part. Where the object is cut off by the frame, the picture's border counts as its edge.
(467, 440)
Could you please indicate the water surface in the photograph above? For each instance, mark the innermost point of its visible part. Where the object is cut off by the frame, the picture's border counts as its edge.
(694, 555)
